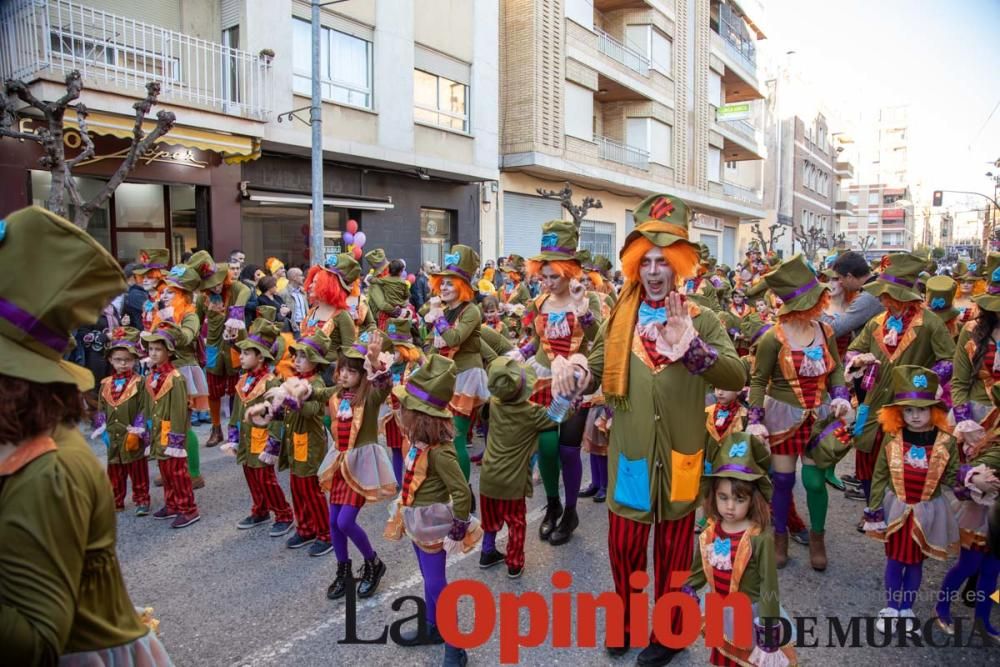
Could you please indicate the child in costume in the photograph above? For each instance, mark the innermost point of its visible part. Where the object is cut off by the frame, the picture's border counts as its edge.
(152, 266)
(388, 291)
(735, 552)
(167, 407)
(940, 300)
(121, 418)
(258, 445)
(492, 317)
(907, 511)
(408, 358)
(433, 509)
(505, 480)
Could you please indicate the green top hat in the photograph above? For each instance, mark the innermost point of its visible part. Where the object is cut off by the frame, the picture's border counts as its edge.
(359, 348)
(344, 266)
(914, 386)
(151, 258)
(399, 330)
(603, 264)
(429, 389)
(752, 327)
(315, 347)
(56, 278)
(461, 262)
(991, 300)
(795, 284)
(376, 259)
(586, 260)
(899, 278)
(212, 274)
(972, 271)
(183, 277)
(922, 278)
(124, 338)
(509, 381)
(262, 337)
(559, 241)
(757, 289)
(959, 269)
(742, 456)
(166, 332)
(940, 297)
(512, 263)
(661, 208)
(269, 313)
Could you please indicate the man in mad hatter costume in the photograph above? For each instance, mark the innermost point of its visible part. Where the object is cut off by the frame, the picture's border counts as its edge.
(512, 292)
(62, 594)
(655, 359)
(905, 334)
(940, 300)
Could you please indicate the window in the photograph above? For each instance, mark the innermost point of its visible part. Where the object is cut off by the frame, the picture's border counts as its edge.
(598, 237)
(440, 101)
(345, 65)
(853, 198)
(579, 108)
(230, 68)
(651, 136)
(872, 218)
(651, 43)
(714, 88)
(873, 198)
(714, 165)
(435, 234)
(580, 11)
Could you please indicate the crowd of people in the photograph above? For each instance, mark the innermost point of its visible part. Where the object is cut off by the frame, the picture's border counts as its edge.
(367, 385)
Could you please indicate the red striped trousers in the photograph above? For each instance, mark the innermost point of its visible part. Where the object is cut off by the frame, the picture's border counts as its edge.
(673, 550)
(496, 513)
(178, 495)
(266, 494)
(138, 472)
(311, 516)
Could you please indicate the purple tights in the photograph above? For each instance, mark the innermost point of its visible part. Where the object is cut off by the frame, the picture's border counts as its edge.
(343, 525)
(572, 471)
(969, 563)
(397, 465)
(781, 500)
(432, 569)
(902, 583)
(598, 472)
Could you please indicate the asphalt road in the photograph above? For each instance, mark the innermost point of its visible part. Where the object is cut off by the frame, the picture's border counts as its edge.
(231, 597)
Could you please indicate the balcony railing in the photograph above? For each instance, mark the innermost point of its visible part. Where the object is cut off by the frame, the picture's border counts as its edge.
(627, 56)
(616, 151)
(58, 36)
(742, 193)
(736, 38)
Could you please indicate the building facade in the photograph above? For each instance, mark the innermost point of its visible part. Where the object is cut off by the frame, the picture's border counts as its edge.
(881, 226)
(624, 98)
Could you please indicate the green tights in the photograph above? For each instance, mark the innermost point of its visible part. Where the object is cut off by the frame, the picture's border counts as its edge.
(817, 497)
(462, 444)
(548, 461)
(193, 454)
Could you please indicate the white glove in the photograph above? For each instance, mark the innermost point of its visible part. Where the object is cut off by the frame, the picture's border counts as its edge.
(98, 432)
(842, 409)
(969, 431)
(758, 430)
(229, 448)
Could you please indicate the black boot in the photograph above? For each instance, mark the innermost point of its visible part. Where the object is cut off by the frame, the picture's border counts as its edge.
(338, 588)
(552, 513)
(414, 638)
(656, 655)
(566, 526)
(472, 494)
(371, 575)
(454, 656)
(590, 491)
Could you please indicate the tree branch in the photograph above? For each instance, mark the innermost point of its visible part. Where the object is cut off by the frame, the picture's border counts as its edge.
(565, 197)
(88, 143)
(74, 84)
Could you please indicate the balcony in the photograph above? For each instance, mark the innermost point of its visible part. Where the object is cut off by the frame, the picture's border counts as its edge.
(49, 38)
(625, 55)
(616, 151)
(743, 141)
(844, 170)
(742, 193)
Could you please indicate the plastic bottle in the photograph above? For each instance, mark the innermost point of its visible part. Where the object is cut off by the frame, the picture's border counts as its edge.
(561, 404)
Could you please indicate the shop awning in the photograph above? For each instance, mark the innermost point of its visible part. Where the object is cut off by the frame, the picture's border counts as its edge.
(234, 148)
(284, 199)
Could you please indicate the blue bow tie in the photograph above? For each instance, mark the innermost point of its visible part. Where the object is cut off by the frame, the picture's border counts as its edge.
(721, 547)
(649, 315)
(917, 452)
(815, 352)
(721, 414)
(895, 323)
(119, 383)
(557, 318)
(345, 405)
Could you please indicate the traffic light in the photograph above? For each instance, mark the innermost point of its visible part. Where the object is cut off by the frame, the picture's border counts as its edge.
(938, 196)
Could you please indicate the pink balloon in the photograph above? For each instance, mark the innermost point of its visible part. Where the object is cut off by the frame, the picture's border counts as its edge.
(357, 253)
(410, 278)
(352, 226)
(348, 238)
(359, 239)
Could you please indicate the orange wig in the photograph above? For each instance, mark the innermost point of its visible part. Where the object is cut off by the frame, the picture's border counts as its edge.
(567, 268)
(463, 288)
(683, 258)
(328, 287)
(408, 354)
(182, 305)
(894, 305)
(891, 418)
(596, 278)
(808, 315)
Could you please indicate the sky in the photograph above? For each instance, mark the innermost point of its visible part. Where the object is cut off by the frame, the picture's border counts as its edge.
(942, 57)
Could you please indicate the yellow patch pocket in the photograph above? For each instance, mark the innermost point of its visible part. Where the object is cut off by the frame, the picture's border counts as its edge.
(300, 442)
(132, 442)
(164, 432)
(258, 439)
(685, 475)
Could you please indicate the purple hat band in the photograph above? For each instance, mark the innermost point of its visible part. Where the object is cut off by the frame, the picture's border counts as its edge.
(417, 392)
(313, 345)
(154, 265)
(455, 268)
(32, 326)
(921, 395)
(893, 279)
(993, 289)
(401, 336)
(121, 343)
(830, 428)
(360, 349)
(801, 290)
(263, 343)
(760, 332)
(163, 334)
(735, 467)
(559, 249)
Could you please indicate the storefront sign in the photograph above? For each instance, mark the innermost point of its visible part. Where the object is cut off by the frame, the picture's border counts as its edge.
(707, 222)
(735, 111)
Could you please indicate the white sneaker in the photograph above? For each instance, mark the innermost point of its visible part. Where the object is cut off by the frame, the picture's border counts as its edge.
(911, 627)
(884, 622)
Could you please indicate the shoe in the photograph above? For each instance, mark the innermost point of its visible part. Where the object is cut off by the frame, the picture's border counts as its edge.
(969, 591)
(185, 520)
(553, 510)
(854, 493)
(885, 617)
(601, 496)
(618, 651)
(142, 510)
(656, 654)
(454, 656)
(910, 622)
(850, 480)
(252, 522)
(279, 528)
(413, 637)
(214, 437)
(472, 494)
(802, 537)
(514, 572)
(836, 483)
(158, 481)
(860, 527)
(780, 550)
(120, 509)
(564, 531)
(338, 588)
(488, 559)
(164, 513)
(296, 541)
(817, 551)
(371, 575)
(946, 626)
(320, 548)
(589, 492)
(198, 482)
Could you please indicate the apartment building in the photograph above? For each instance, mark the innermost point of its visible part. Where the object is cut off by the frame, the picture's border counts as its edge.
(410, 128)
(623, 98)
(881, 225)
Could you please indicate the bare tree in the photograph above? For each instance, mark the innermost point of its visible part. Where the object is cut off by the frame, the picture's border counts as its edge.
(50, 136)
(565, 197)
(811, 241)
(774, 234)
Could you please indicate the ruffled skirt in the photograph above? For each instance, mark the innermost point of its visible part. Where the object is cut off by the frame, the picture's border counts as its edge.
(146, 651)
(428, 526)
(471, 391)
(746, 656)
(934, 527)
(197, 386)
(365, 471)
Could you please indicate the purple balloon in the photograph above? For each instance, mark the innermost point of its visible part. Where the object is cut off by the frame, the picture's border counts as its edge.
(359, 239)
(348, 238)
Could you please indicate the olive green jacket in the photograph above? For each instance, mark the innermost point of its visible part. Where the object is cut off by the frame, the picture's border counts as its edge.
(445, 482)
(186, 348)
(340, 328)
(966, 384)
(775, 373)
(885, 470)
(305, 434)
(216, 313)
(367, 429)
(253, 439)
(493, 344)
(128, 410)
(168, 410)
(586, 333)
(464, 334)
(387, 294)
(512, 439)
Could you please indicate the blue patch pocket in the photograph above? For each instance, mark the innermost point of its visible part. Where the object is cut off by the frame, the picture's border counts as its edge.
(862, 417)
(211, 356)
(632, 483)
